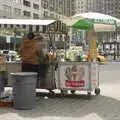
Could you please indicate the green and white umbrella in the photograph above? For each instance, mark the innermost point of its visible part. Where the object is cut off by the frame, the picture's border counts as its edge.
(91, 20)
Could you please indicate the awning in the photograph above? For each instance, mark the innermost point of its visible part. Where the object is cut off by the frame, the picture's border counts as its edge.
(26, 21)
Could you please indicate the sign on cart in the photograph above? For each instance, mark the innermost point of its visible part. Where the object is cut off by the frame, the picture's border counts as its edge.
(73, 76)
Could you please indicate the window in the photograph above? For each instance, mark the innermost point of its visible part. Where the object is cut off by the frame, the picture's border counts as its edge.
(52, 5)
(35, 16)
(57, 16)
(52, 15)
(7, 8)
(51, 8)
(35, 6)
(45, 4)
(27, 13)
(45, 14)
(36, 1)
(17, 11)
(17, 1)
(60, 2)
(26, 3)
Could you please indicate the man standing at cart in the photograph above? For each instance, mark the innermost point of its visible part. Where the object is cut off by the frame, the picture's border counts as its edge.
(30, 54)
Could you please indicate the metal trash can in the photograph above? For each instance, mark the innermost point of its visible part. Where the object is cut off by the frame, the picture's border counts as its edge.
(24, 90)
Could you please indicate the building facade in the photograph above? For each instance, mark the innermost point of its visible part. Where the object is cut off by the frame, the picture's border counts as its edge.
(83, 6)
(35, 9)
(58, 8)
(110, 7)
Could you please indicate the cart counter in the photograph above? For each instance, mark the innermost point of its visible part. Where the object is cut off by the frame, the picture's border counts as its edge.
(77, 75)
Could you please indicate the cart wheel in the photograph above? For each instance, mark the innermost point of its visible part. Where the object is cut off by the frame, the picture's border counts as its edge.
(73, 91)
(97, 91)
(89, 95)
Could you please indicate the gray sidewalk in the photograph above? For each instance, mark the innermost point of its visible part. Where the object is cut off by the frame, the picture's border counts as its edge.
(69, 108)
(103, 107)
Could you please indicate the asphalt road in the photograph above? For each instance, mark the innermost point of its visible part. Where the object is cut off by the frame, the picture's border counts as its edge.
(109, 73)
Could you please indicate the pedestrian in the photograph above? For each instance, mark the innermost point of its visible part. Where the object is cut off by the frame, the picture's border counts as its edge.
(43, 62)
(30, 53)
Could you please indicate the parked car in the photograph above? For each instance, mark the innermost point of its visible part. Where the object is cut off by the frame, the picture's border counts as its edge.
(101, 59)
(10, 55)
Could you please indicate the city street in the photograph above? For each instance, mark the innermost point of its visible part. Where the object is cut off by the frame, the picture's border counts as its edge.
(103, 107)
(59, 42)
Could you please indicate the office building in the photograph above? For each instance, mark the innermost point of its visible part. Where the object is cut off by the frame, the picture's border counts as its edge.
(110, 7)
(35, 9)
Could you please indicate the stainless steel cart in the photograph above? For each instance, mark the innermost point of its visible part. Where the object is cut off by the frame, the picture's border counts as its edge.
(83, 76)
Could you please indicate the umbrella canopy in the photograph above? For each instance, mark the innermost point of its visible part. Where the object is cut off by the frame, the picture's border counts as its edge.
(90, 20)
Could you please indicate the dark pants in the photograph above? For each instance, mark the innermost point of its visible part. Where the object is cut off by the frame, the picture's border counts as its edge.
(40, 69)
(29, 67)
(42, 72)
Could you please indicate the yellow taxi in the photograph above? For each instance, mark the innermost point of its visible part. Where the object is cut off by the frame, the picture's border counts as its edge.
(100, 58)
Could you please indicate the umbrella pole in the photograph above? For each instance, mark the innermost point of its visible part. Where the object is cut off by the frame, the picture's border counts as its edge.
(92, 43)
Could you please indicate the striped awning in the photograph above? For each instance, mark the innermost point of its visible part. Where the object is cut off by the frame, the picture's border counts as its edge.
(26, 22)
(9, 25)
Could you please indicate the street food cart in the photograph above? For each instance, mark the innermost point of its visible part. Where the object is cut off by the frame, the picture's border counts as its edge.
(76, 74)
(84, 76)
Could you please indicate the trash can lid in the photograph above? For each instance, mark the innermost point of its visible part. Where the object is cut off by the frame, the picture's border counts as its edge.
(24, 73)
